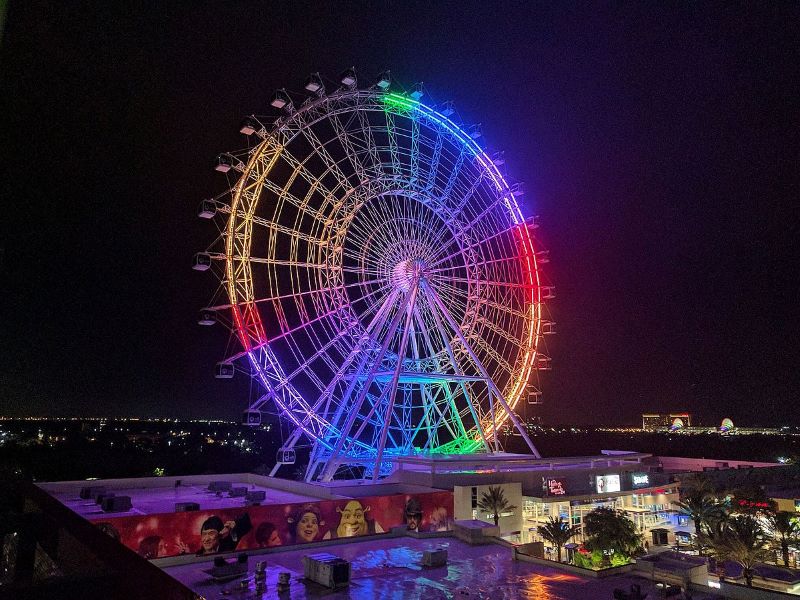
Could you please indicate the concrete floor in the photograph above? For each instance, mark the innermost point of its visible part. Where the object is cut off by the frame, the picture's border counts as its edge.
(389, 569)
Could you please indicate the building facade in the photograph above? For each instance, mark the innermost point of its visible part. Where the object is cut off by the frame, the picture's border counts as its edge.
(655, 421)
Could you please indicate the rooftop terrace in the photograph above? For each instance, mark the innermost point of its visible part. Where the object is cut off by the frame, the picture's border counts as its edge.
(159, 495)
(390, 568)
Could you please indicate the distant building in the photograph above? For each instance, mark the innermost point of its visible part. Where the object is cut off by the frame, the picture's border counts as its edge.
(677, 424)
(653, 421)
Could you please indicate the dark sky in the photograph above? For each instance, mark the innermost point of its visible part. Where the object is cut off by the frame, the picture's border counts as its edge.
(658, 143)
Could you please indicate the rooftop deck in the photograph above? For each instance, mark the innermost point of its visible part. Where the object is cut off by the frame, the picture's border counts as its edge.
(390, 568)
(508, 462)
(156, 496)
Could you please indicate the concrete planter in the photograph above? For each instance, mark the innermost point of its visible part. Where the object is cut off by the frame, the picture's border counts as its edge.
(475, 532)
(602, 573)
(737, 591)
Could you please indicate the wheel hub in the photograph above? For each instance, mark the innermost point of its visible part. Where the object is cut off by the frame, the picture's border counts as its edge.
(408, 272)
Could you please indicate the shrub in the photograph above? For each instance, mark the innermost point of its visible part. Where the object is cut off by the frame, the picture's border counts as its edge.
(580, 560)
(597, 559)
(618, 559)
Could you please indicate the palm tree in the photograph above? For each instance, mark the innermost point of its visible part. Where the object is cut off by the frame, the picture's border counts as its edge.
(609, 529)
(699, 502)
(706, 512)
(741, 540)
(784, 529)
(558, 533)
(494, 502)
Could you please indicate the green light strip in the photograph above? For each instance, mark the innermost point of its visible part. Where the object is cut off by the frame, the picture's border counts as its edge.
(398, 101)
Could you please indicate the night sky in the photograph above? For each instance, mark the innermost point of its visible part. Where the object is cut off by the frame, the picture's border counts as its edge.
(658, 143)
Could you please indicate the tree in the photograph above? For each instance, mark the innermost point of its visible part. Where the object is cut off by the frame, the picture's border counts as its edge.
(558, 533)
(699, 503)
(706, 512)
(784, 529)
(494, 502)
(741, 540)
(608, 529)
(697, 484)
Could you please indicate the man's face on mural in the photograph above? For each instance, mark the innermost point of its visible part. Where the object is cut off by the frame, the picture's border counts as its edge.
(353, 521)
(209, 539)
(413, 521)
(308, 527)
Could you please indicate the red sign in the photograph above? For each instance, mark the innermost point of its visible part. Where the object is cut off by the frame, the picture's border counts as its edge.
(753, 504)
(555, 487)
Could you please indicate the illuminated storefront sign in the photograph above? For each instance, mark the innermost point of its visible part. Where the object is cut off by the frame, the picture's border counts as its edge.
(753, 504)
(555, 487)
(640, 480)
(607, 483)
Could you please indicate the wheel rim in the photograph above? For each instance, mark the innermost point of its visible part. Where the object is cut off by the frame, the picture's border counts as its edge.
(336, 210)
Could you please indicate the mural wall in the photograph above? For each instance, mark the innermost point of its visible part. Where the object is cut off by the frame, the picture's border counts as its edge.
(225, 530)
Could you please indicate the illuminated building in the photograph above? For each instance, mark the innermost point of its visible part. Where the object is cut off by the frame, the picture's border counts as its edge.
(653, 421)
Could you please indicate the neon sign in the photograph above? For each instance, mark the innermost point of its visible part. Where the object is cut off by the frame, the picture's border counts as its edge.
(555, 487)
(753, 504)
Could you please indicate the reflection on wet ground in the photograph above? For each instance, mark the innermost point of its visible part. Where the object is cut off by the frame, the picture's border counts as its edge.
(391, 568)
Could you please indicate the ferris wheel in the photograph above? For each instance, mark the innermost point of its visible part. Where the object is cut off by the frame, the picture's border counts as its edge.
(379, 276)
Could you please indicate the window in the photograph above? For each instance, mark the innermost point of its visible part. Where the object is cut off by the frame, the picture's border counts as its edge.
(474, 497)
(527, 508)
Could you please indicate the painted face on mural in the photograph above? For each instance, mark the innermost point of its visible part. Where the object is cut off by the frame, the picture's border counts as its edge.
(153, 546)
(439, 521)
(274, 539)
(353, 520)
(267, 535)
(413, 514)
(307, 527)
(209, 540)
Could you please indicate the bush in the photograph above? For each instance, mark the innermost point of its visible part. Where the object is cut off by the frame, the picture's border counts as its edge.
(618, 559)
(597, 559)
(580, 560)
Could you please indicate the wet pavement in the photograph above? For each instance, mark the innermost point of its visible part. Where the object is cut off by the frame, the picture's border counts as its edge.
(390, 568)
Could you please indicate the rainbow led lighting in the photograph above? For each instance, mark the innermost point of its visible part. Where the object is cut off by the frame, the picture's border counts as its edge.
(382, 280)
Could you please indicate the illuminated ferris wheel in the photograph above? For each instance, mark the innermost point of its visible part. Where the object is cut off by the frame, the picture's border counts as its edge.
(379, 276)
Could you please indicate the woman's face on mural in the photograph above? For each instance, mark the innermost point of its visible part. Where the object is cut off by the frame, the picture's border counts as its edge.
(439, 519)
(308, 527)
(162, 548)
(353, 521)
